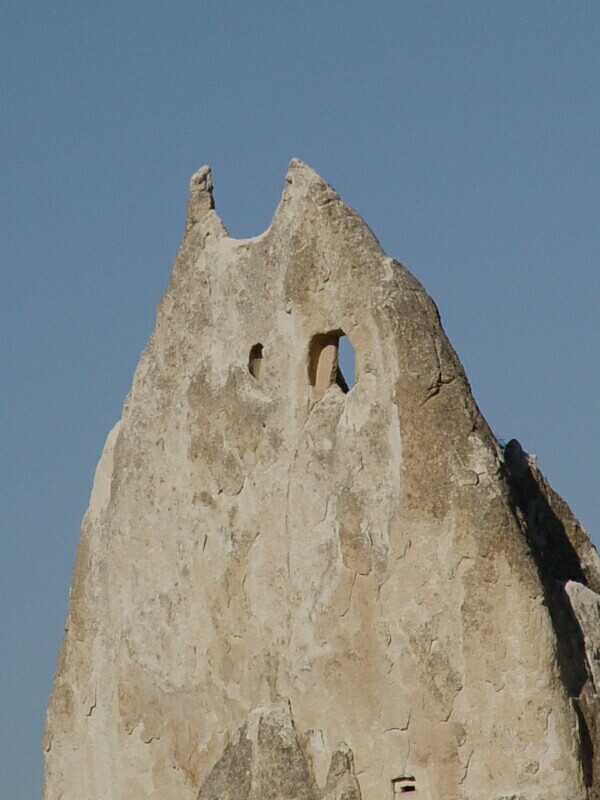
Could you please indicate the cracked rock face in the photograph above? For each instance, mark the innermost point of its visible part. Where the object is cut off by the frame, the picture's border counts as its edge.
(267, 759)
(264, 759)
(258, 532)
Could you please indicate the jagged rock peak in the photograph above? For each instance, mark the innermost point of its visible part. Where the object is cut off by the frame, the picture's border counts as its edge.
(300, 171)
(300, 181)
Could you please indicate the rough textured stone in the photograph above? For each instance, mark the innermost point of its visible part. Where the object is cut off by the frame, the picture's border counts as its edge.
(256, 532)
(341, 781)
(586, 606)
(201, 196)
(264, 760)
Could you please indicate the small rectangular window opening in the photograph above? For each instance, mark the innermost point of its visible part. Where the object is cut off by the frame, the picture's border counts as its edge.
(403, 784)
(255, 360)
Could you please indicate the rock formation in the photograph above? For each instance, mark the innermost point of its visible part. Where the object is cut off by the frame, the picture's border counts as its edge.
(262, 542)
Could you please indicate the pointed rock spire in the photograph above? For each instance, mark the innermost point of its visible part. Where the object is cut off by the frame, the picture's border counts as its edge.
(200, 199)
(342, 783)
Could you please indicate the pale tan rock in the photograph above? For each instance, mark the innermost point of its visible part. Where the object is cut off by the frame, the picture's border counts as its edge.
(265, 759)
(256, 533)
(586, 606)
(341, 781)
(201, 196)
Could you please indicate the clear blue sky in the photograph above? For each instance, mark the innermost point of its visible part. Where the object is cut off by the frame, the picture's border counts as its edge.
(465, 133)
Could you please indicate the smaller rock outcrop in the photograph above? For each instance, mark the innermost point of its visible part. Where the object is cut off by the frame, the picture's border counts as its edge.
(342, 783)
(266, 759)
(200, 198)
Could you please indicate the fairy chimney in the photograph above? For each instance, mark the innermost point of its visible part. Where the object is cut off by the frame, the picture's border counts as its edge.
(291, 587)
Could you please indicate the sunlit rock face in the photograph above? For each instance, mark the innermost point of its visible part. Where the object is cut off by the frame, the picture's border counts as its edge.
(261, 540)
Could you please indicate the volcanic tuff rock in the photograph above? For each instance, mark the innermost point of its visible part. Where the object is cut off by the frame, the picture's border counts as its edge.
(258, 535)
(266, 758)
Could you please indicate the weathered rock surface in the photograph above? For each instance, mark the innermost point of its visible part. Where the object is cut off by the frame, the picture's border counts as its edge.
(255, 532)
(265, 759)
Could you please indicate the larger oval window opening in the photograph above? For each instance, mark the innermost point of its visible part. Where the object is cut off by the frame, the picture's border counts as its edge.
(330, 359)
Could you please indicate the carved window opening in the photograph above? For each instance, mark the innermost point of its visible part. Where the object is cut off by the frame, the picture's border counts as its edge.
(255, 361)
(403, 784)
(323, 366)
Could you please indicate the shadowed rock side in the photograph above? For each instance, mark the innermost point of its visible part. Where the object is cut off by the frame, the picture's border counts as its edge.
(257, 531)
(569, 569)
